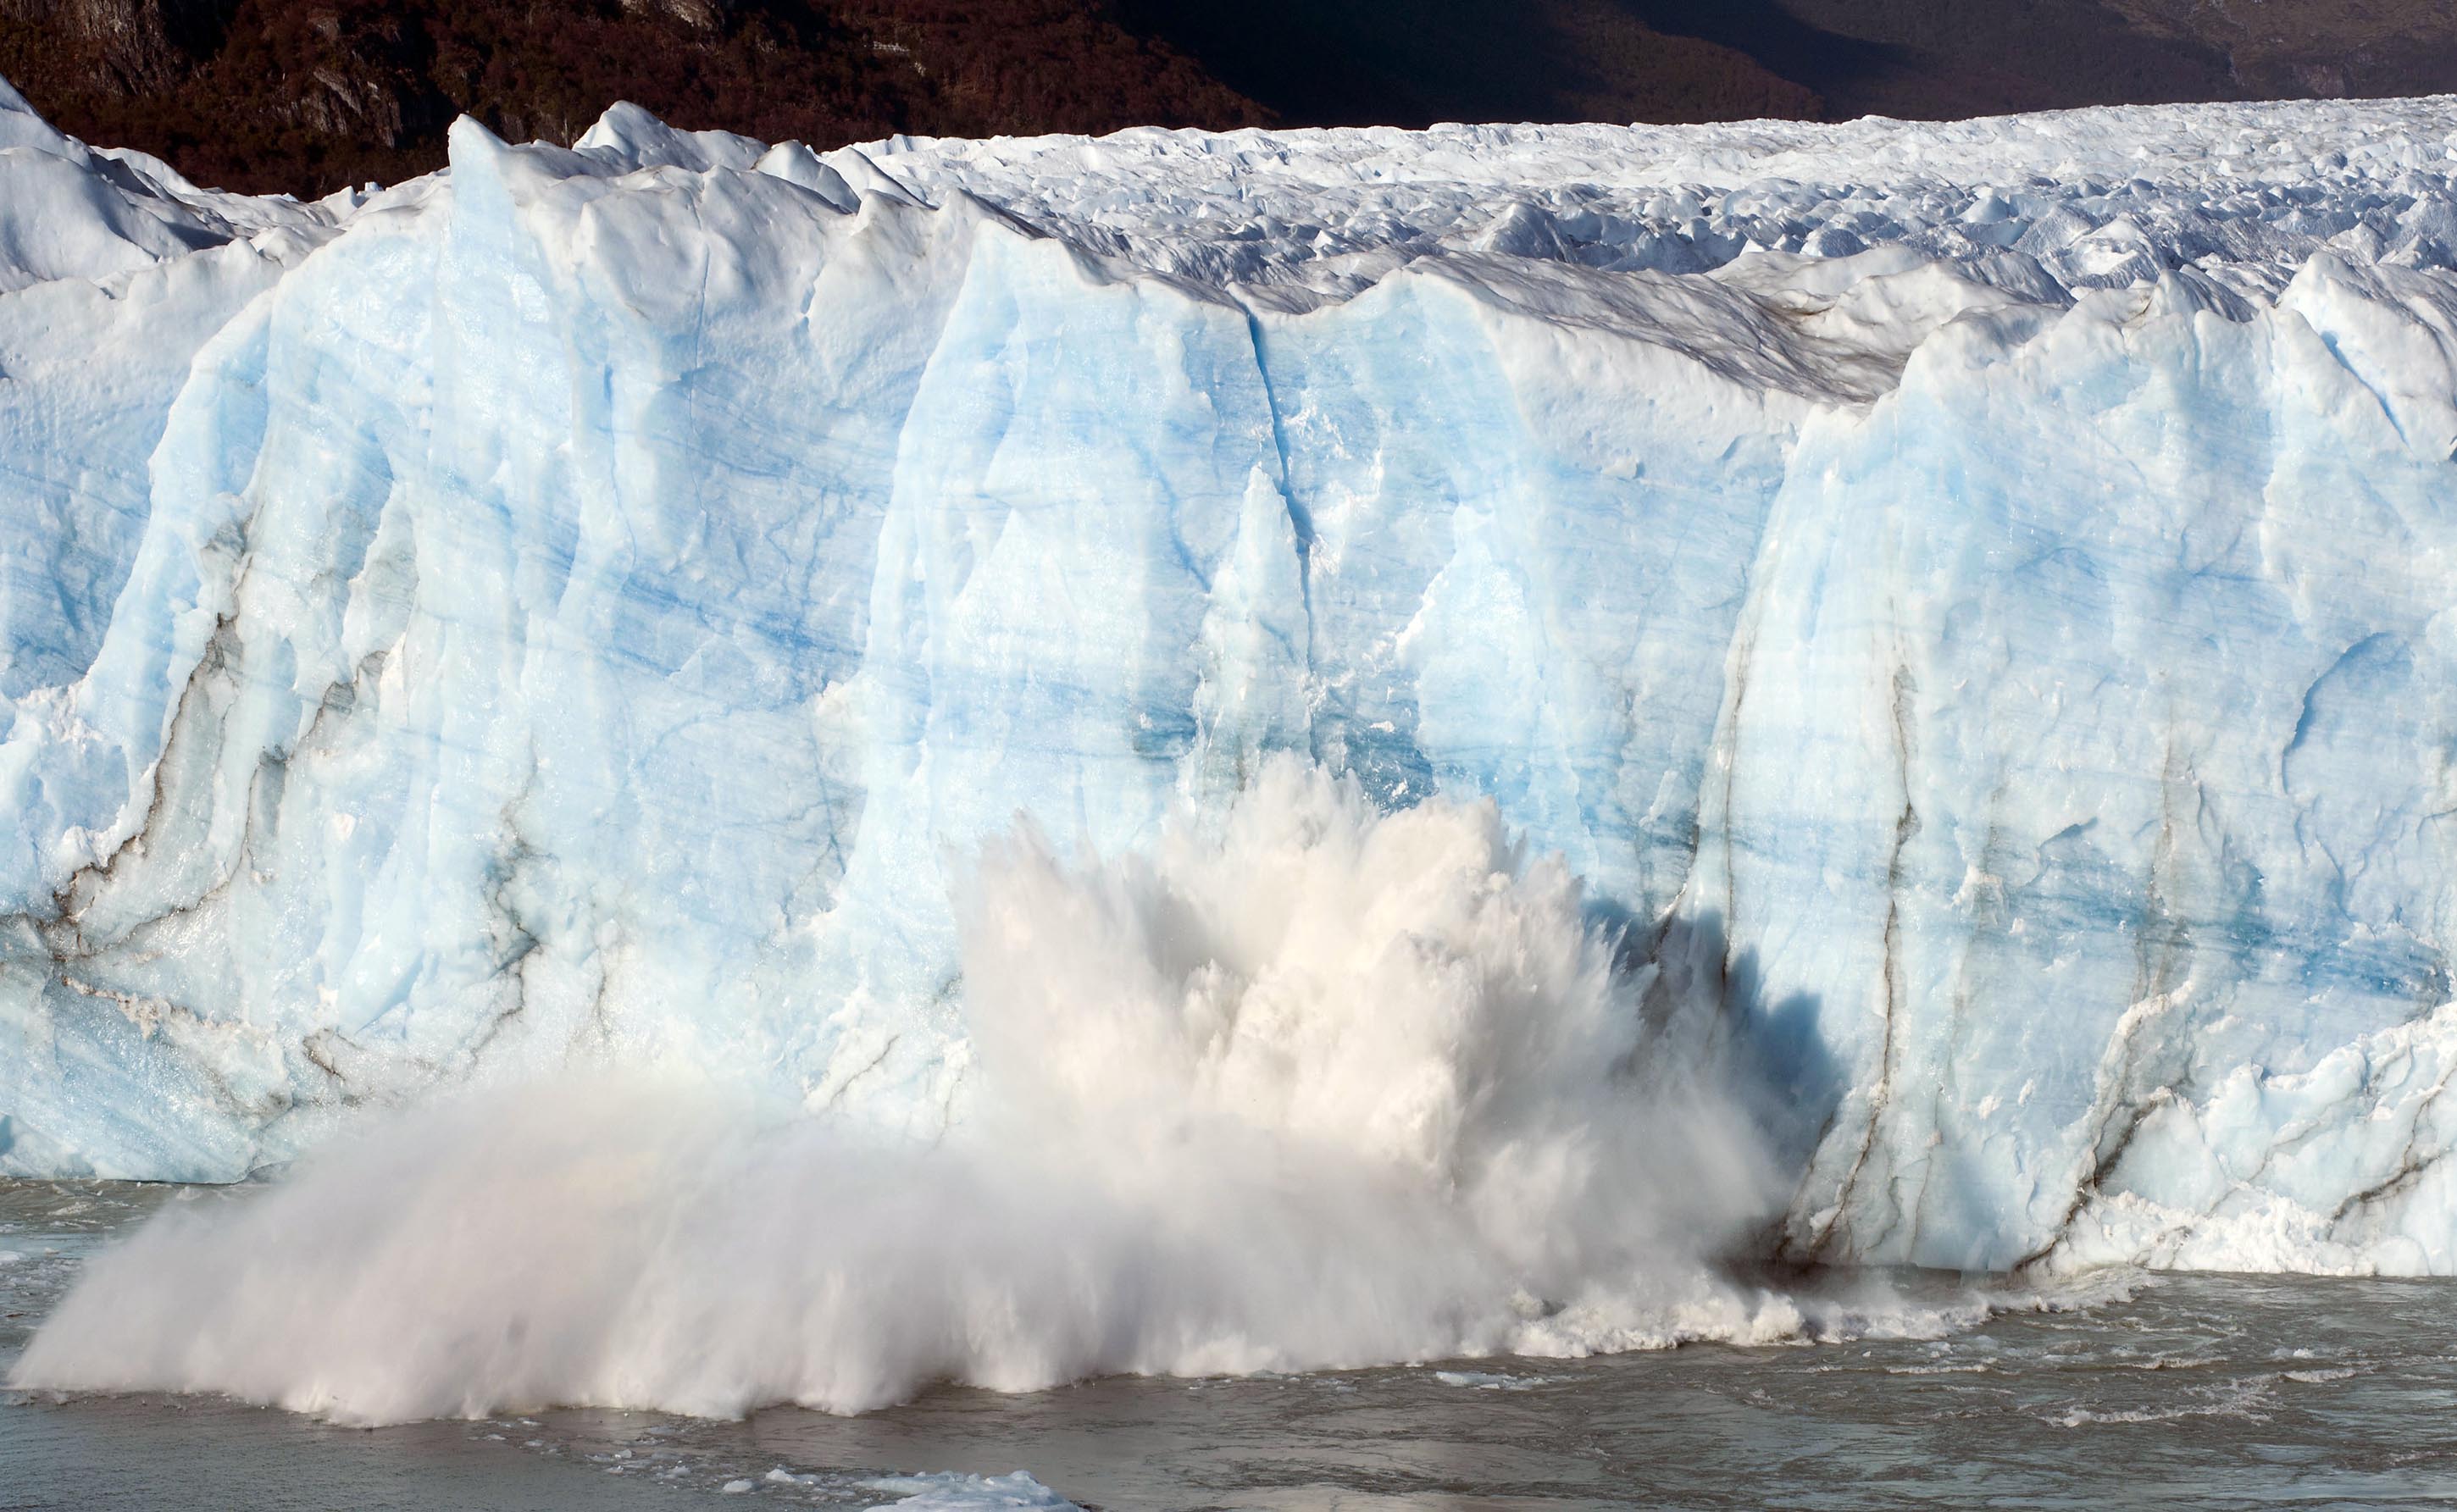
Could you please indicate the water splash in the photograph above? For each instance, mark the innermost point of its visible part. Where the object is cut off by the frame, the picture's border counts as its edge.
(1308, 1085)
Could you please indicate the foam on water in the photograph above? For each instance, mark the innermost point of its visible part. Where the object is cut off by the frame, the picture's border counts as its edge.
(1308, 1085)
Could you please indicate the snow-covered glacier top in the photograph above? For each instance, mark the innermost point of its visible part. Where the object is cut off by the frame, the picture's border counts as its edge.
(2233, 197)
(69, 211)
(1970, 603)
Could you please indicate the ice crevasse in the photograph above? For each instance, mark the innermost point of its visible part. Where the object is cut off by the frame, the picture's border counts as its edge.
(1972, 601)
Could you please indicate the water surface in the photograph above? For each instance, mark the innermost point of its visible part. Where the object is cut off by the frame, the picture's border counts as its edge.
(2174, 1391)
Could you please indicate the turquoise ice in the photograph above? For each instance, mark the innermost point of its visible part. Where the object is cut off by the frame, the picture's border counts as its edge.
(1971, 599)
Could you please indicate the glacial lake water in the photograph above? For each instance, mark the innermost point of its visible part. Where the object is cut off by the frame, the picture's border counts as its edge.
(2202, 1391)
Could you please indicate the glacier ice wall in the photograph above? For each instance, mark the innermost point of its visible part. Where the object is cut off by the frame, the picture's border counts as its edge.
(1969, 599)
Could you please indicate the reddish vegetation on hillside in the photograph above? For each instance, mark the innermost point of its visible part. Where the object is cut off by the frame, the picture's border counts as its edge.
(272, 94)
(309, 94)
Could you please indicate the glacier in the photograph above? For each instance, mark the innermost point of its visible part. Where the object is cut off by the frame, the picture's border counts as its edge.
(1969, 600)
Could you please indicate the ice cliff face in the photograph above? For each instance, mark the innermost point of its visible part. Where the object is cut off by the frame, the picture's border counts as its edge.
(1974, 599)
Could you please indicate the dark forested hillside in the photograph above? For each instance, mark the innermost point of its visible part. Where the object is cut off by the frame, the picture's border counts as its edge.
(1960, 58)
(1414, 62)
(266, 94)
(308, 95)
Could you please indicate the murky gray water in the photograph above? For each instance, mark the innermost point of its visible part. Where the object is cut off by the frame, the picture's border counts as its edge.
(2194, 1391)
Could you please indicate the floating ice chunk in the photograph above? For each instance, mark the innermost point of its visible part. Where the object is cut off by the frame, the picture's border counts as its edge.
(1482, 1380)
(1016, 1492)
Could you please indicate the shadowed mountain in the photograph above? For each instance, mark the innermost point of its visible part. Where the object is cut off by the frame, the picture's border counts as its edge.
(263, 94)
(1410, 61)
(1414, 62)
(269, 94)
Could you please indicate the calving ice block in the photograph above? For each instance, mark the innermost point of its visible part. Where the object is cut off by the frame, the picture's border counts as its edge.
(1967, 602)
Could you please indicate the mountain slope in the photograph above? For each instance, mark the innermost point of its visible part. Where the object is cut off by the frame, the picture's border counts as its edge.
(1416, 62)
(264, 95)
(1947, 58)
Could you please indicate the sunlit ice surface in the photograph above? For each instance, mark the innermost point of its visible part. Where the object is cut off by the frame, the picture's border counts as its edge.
(1965, 600)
